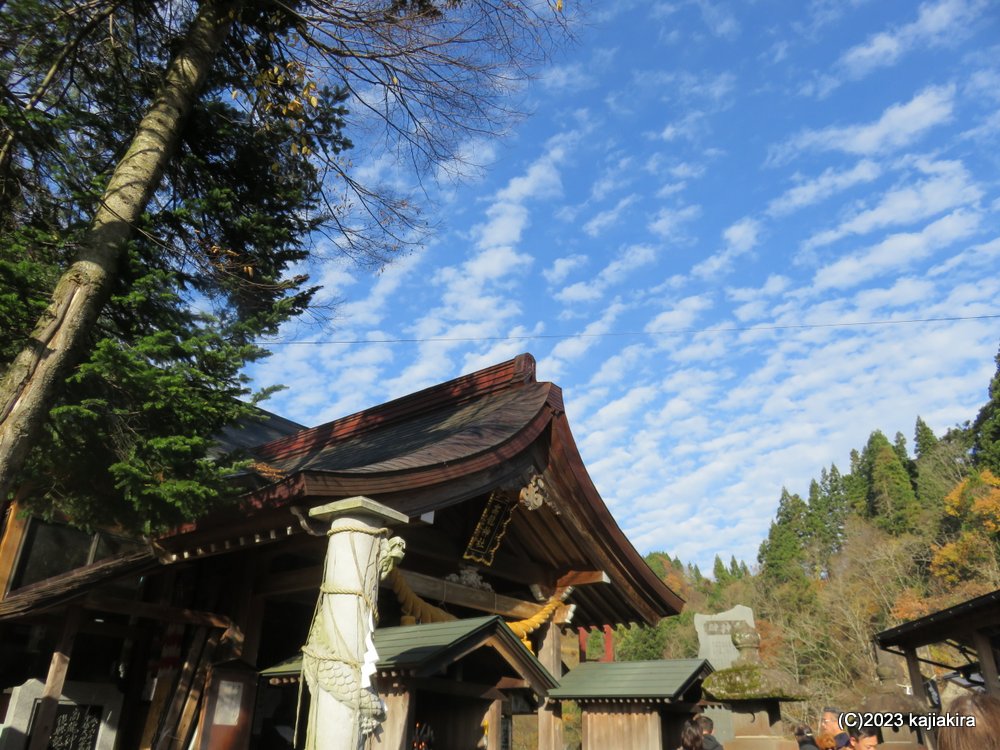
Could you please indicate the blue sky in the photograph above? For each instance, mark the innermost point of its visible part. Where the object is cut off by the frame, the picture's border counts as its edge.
(687, 169)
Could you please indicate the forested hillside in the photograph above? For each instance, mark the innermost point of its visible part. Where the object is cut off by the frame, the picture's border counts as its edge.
(903, 532)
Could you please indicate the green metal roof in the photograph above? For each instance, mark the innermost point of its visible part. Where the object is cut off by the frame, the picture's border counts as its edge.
(664, 679)
(414, 647)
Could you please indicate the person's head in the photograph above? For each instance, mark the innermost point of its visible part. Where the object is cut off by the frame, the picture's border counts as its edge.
(802, 731)
(829, 721)
(985, 735)
(691, 736)
(705, 724)
(863, 738)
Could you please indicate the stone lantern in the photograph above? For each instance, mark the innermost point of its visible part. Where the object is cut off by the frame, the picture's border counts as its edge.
(753, 693)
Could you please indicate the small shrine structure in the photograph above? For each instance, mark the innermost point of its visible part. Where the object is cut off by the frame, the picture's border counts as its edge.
(641, 705)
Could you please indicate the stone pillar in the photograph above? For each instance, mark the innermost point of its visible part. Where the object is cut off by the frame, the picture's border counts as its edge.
(339, 656)
(550, 726)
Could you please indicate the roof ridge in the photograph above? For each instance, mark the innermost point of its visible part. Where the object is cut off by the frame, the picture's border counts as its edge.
(496, 378)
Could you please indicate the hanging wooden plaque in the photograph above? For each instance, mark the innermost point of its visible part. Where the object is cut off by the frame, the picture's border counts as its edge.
(490, 529)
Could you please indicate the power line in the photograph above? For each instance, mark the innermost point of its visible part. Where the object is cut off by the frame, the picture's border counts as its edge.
(621, 334)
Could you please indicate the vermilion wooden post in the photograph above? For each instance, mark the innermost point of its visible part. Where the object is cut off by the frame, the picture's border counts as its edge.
(609, 644)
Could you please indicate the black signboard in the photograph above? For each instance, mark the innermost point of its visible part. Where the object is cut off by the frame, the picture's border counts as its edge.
(76, 726)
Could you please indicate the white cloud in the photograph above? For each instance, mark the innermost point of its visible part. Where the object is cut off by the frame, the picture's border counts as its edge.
(571, 349)
(984, 83)
(571, 77)
(690, 126)
(605, 219)
(563, 267)
(832, 181)
(668, 221)
(950, 186)
(714, 88)
(937, 23)
(774, 285)
(986, 254)
(628, 260)
(719, 19)
(899, 125)
(740, 238)
(742, 235)
(680, 315)
(613, 178)
(371, 310)
(898, 251)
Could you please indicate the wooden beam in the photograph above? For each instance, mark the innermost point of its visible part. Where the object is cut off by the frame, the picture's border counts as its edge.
(451, 687)
(987, 662)
(432, 544)
(512, 683)
(436, 590)
(159, 612)
(186, 724)
(167, 728)
(428, 587)
(582, 578)
(45, 716)
(290, 582)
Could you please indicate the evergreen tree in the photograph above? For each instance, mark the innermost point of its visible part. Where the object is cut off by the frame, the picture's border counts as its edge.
(899, 445)
(856, 482)
(162, 171)
(658, 562)
(892, 503)
(735, 571)
(782, 555)
(986, 428)
(924, 438)
(941, 466)
(720, 572)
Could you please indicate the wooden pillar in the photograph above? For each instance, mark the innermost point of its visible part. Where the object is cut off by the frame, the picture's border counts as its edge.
(584, 635)
(609, 644)
(494, 726)
(13, 528)
(398, 719)
(45, 718)
(550, 726)
(916, 678)
(919, 692)
(252, 631)
(166, 671)
(987, 662)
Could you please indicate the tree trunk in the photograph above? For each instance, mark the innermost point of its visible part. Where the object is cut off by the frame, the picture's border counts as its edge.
(29, 387)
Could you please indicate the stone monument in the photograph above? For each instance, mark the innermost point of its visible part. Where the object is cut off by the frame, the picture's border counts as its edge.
(87, 716)
(715, 641)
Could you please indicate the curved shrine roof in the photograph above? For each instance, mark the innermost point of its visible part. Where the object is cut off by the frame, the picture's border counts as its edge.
(453, 443)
